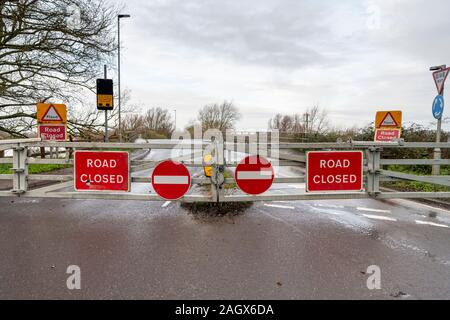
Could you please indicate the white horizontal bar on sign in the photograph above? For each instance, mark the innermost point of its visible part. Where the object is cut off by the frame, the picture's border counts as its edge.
(170, 180)
(254, 175)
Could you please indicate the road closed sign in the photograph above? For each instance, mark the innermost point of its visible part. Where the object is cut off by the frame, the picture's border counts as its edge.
(102, 171)
(386, 135)
(53, 132)
(334, 171)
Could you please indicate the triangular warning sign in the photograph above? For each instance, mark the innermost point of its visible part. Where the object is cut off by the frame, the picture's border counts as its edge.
(439, 79)
(388, 121)
(52, 115)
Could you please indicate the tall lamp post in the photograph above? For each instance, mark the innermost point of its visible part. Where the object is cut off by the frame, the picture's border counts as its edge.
(437, 151)
(119, 16)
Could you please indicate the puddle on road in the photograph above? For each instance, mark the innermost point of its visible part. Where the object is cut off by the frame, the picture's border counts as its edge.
(213, 212)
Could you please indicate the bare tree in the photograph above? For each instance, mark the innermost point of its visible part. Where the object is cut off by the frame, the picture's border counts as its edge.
(317, 119)
(275, 122)
(50, 51)
(314, 120)
(221, 117)
(160, 121)
(156, 122)
(287, 123)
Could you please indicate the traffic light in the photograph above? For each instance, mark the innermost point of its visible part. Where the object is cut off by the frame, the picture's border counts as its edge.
(105, 97)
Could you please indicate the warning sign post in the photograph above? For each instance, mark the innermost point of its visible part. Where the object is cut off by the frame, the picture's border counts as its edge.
(388, 119)
(51, 113)
(334, 171)
(388, 126)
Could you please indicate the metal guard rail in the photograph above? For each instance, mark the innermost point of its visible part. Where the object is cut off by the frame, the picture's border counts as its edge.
(373, 171)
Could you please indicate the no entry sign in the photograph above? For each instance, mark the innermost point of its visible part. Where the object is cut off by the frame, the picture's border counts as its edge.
(171, 180)
(254, 175)
(334, 171)
(102, 170)
(54, 132)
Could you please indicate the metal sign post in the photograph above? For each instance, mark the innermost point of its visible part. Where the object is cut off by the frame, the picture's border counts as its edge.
(106, 111)
(436, 169)
(440, 76)
(105, 98)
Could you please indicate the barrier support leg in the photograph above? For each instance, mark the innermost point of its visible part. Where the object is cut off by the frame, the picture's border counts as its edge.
(373, 175)
(20, 170)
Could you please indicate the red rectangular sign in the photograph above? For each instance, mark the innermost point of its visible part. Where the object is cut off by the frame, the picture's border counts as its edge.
(334, 171)
(54, 132)
(102, 171)
(386, 135)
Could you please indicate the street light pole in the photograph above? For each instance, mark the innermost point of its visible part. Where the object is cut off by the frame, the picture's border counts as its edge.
(118, 70)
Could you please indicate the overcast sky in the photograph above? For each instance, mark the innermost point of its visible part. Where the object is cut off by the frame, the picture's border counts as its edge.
(267, 56)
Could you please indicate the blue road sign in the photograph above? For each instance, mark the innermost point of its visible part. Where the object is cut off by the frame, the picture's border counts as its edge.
(438, 107)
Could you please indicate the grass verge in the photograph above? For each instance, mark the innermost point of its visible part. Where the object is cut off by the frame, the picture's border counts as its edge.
(415, 186)
(5, 168)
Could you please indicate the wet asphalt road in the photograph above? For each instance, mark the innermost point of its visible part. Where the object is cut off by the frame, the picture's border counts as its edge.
(296, 250)
(276, 250)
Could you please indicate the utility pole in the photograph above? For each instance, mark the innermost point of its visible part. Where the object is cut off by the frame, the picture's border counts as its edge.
(106, 111)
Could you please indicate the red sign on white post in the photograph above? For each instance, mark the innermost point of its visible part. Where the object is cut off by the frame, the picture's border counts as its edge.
(387, 135)
(171, 180)
(334, 171)
(439, 79)
(54, 132)
(254, 175)
(102, 171)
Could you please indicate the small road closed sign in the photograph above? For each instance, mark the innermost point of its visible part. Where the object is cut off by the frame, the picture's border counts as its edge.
(53, 132)
(386, 135)
(328, 171)
(101, 171)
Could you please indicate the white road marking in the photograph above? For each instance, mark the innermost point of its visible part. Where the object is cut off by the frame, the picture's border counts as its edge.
(279, 206)
(255, 175)
(170, 179)
(371, 216)
(296, 186)
(432, 224)
(329, 206)
(166, 204)
(410, 203)
(373, 210)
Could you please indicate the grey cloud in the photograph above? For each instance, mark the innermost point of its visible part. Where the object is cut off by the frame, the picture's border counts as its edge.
(274, 33)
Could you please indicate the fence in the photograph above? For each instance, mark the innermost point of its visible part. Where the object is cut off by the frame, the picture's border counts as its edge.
(216, 192)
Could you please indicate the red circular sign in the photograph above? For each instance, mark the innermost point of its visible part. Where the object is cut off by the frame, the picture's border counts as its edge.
(254, 175)
(171, 180)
